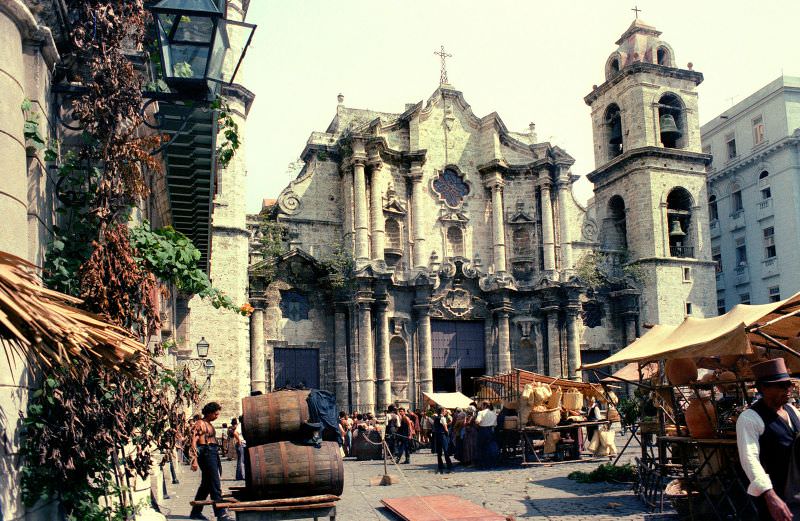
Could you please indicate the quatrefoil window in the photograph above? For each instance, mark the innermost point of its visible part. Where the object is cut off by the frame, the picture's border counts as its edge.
(451, 188)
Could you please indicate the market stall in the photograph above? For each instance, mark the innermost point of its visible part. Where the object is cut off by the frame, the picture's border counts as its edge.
(702, 383)
(542, 417)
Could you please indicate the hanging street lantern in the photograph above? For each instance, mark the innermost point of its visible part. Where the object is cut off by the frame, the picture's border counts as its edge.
(210, 368)
(197, 44)
(202, 347)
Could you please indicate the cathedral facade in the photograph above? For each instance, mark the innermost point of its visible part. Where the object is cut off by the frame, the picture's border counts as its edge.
(430, 246)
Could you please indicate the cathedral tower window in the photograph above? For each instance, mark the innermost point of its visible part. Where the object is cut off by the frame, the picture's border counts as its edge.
(612, 66)
(679, 220)
(663, 57)
(392, 228)
(455, 242)
(671, 121)
(613, 127)
(522, 243)
(615, 228)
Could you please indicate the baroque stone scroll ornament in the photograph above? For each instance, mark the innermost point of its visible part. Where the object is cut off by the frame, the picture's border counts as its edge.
(289, 203)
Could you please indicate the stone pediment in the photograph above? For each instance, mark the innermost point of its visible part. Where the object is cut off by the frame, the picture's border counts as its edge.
(520, 217)
(452, 216)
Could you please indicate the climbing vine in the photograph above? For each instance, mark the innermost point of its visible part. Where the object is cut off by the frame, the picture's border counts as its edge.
(598, 269)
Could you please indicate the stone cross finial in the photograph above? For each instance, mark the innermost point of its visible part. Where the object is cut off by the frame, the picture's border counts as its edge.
(636, 10)
(443, 55)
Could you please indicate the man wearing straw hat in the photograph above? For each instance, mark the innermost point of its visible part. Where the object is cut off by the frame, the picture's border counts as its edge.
(765, 434)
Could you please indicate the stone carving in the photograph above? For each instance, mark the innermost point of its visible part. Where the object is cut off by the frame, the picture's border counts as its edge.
(289, 203)
(589, 230)
(458, 303)
(450, 188)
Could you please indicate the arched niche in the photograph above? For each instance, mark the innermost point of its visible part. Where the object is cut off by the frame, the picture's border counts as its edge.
(672, 126)
(615, 227)
(455, 241)
(613, 131)
(680, 229)
(399, 357)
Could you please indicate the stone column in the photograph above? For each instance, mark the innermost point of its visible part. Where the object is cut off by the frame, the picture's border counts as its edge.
(495, 184)
(553, 341)
(488, 344)
(376, 207)
(540, 347)
(548, 239)
(630, 326)
(417, 209)
(258, 369)
(573, 343)
(503, 342)
(383, 361)
(355, 357)
(425, 350)
(340, 359)
(360, 204)
(347, 211)
(366, 361)
(563, 218)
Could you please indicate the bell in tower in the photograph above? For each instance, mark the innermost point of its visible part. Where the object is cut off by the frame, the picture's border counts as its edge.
(670, 133)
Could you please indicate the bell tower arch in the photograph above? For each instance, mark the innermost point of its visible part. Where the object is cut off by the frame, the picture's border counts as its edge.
(648, 154)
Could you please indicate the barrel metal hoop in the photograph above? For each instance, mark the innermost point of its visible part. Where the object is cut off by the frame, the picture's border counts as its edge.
(284, 461)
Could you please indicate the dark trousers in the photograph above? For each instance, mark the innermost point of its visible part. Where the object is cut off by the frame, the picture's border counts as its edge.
(485, 438)
(240, 462)
(402, 447)
(209, 464)
(442, 448)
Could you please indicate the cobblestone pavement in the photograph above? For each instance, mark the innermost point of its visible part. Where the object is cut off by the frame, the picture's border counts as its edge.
(535, 492)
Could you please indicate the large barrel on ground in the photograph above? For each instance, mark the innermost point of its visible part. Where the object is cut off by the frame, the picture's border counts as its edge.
(367, 445)
(274, 416)
(286, 469)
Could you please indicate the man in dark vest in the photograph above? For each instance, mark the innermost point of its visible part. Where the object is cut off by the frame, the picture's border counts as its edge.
(765, 434)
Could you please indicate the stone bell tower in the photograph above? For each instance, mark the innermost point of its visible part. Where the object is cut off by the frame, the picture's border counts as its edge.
(650, 177)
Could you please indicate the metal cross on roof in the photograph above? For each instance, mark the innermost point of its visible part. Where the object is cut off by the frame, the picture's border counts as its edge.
(636, 10)
(443, 55)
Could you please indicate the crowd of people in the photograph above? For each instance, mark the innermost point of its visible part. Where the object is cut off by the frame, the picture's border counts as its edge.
(464, 434)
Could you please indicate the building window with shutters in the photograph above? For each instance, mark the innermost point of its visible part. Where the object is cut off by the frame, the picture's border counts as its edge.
(741, 252)
(716, 257)
(774, 293)
(744, 298)
(736, 200)
(720, 306)
(769, 243)
(758, 131)
(730, 146)
(713, 211)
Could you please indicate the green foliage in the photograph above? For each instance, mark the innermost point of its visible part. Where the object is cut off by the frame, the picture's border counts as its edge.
(341, 268)
(230, 131)
(33, 140)
(629, 411)
(598, 269)
(271, 244)
(171, 257)
(606, 472)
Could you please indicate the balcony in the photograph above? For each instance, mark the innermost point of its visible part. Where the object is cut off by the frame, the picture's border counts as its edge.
(765, 209)
(683, 252)
(769, 268)
(715, 228)
(742, 275)
(737, 220)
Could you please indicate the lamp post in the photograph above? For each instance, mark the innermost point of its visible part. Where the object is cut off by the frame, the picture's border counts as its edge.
(197, 44)
(201, 361)
(202, 347)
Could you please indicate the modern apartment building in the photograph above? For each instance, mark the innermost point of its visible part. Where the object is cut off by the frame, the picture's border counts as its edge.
(754, 195)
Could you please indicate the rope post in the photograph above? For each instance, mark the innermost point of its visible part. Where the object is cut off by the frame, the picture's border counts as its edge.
(386, 479)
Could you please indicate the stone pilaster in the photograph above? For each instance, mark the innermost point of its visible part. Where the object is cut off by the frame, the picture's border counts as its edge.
(630, 326)
(340, 356)
(378, 232)
(503, 342)
(573, 342)
(494, 182)
(382, 360)
(347, 211)
(564, 197)
(548, 239)
(355, 357)
(258, 369)
(423, 309)
(488, 344)
(553, 341)
(360, 203)
(366, 362)
(417, 210)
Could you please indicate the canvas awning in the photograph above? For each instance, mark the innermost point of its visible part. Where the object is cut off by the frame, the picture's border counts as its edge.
(448, 400)
(729, 334)
(630, 373)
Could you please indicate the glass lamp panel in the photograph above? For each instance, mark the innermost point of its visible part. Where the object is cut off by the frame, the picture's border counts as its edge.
(166, 21)
(229, 49)
(187, 6)
(188, 61)
(194, 28)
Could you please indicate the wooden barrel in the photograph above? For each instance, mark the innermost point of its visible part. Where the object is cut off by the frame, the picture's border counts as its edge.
(286, 469)
(367, 445)
(273, 416)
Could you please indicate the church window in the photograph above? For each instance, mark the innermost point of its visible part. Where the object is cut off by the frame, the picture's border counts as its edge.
(671, 121)
(615, 229)
(613, 130)
(679, 221)
(522, 243)
(713, 211)
(392, 228)
(451, 188)
(758, 131)
(455, 241)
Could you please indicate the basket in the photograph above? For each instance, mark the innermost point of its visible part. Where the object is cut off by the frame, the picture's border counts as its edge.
(572, 400)
(612, 415)
(548, 418)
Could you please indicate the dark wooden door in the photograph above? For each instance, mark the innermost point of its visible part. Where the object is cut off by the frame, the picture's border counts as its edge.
(458, 346)
(296, 367)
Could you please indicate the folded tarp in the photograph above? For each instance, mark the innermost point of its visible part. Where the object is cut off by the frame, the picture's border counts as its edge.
(728, 334)
(448, 400)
